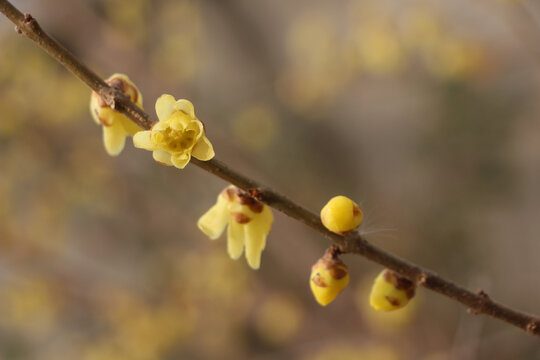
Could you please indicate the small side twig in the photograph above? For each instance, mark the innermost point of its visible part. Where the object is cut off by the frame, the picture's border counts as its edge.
(354, 243)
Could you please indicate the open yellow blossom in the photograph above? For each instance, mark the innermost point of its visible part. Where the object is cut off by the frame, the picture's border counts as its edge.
(177, 136)
(391, 291)
(329, 276)
(341, 215)
(115, 125)
(249, 223)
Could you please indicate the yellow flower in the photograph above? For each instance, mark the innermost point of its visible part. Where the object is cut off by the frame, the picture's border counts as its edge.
(341, 215)
(391, 291)
(329, 276)
(177, 136)
(249, 223)
(115, 125)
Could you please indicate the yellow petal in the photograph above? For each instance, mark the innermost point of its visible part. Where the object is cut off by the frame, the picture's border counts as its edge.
(94, 108)
(129, 126)
(119, 76)
(198, 126)
(165, 106)
(107, 116)
(203, 149)
(255, 238)
(142, 140)
(186, 106)
(178, 120)
(139, 101)
(235, 239)
(266, 218)
(114, 138)
(160, 126)
(214, 221)
(181, 160)
(162, 157)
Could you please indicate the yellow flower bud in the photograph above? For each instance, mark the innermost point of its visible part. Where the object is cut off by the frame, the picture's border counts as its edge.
(115, 125)
(177, 136)
(391, 291)
(249, 223)
(329, 276)
(341, 215)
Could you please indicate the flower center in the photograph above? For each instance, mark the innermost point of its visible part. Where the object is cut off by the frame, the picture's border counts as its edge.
(175, 140)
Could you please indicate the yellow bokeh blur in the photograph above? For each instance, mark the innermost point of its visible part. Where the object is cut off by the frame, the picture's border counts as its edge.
(346, 351)
(278, 319)
(255, 127)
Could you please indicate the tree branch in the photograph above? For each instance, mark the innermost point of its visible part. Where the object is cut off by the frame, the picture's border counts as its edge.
(354, 243)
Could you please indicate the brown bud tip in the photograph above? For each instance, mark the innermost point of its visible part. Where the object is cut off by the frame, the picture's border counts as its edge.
(421, 279)
(483, 294)
(400, 283)
(242, 197)
(331, 262)
(531, 327)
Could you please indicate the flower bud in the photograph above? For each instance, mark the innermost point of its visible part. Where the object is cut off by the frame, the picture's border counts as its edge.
(341, 215)
(391, 291)
(329, 276)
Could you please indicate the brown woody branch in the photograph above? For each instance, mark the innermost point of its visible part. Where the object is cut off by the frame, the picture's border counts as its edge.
(477, 303)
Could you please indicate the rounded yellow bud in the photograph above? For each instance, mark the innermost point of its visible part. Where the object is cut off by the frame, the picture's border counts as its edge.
(391, 291)
(341, 215)
(329, 276)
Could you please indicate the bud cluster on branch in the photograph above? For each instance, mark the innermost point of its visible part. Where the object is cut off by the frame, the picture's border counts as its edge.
(179, 137)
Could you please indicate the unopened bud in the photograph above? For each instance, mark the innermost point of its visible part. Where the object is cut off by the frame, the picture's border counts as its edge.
(341, 215)
(391, 291)
(329, 276)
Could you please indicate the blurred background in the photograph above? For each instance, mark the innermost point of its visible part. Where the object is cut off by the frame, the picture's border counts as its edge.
(424, 112)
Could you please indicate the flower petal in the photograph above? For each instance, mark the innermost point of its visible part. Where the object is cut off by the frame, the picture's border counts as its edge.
(165, 105)
(186, 106)
(198, 126)
(129, 126)
(114, 138)
(162, 157)
(214, 221)
(142, 140)
(181, 160)
(255, 243)
(178, 120)
(255, 233)
(94, 108)
(235, 239)
(203, 149)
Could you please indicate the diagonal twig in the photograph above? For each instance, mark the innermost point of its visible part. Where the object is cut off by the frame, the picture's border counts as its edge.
(354, 243)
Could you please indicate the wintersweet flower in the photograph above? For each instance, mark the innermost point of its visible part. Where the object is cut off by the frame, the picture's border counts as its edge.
(391, 291)
(249, 223)
(177, 136)
(341, 215)
(115, 125)
(329, 276)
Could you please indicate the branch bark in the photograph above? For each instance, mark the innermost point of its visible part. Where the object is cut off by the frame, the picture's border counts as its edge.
(353, 243)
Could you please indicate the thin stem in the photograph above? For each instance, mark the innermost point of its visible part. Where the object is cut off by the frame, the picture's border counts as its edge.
(354, 243)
